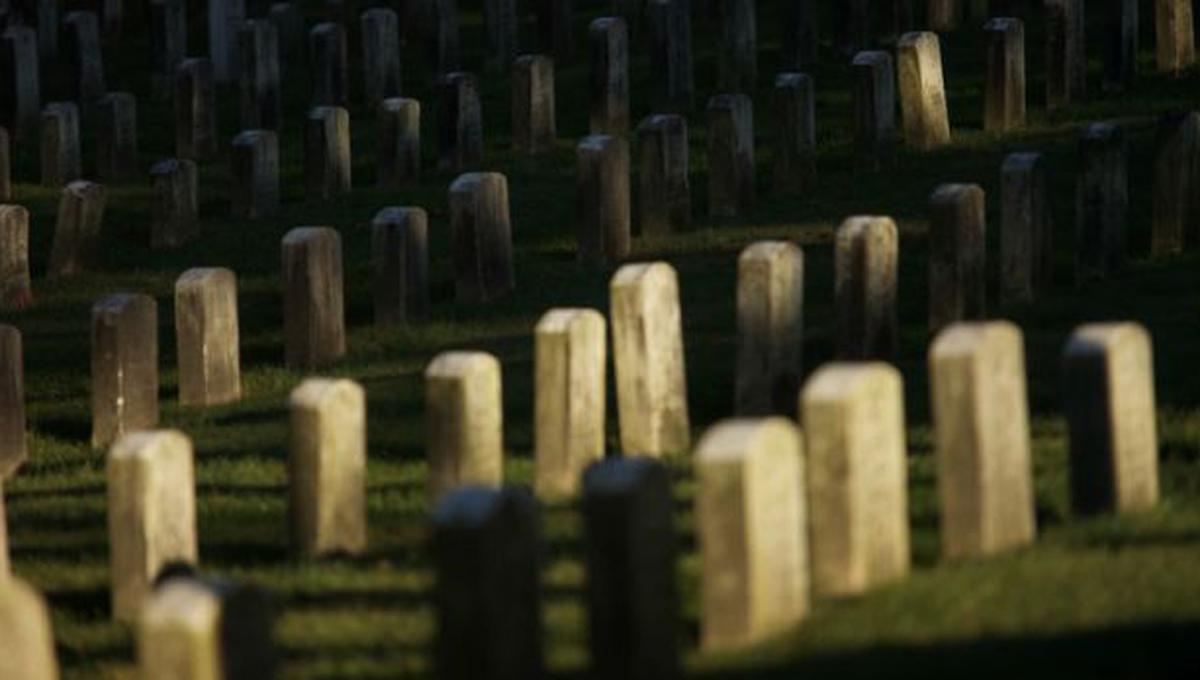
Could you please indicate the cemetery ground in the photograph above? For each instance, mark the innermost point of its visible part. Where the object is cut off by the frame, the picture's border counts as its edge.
(1108, 596)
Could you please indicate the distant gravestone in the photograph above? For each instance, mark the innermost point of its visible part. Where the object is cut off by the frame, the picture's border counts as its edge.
(481, 237)
(981, 439)
(874, 110)
(460, 122)
(444, 36)
(1176, 183)
(176, 203)
(751, 521)
(20, 82)
(117, 157)
(327, 152)
(500, 24)
(168, 43)
(671, 60)
(1121, 44)
(866, 266)
(796, 134)
(84, 58)
(1108, 375)
(602, 201)
(380, 55)
(737, 58)
(289, 27)
(1101, 202)
(1174, 30)
(314, 324)
(534, 128)
(647, 331)
(206, 336)
(124, 366)
(1004, 101)
(464, 422)
(922, 91)
(770, 322)
(224, 18)
(77, 229)
(151, 514)
(570, 351)
(62, 161)
(664, 182)
(13, 448)
(943, 15)
(1026, 229)
(16, 290)
(608, 77)
(260, 83)
(328, 65)
(28, 638)
(957, 255)
(400, 265)
(398, 154)
(731, 175)
(555, 20)
(800, 35)
(195, 110)
(1066, 53)
(254, 158)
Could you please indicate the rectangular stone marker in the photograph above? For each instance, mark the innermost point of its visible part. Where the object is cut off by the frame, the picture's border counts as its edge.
(151, 514)
(16, 291)
(1004, 101)
(327, 152)
(751, 526)
(400, 265)
(398, 155)
(943, 15)
(866, 263)
(464, 422)
(800, 39)
(84, 59)
(1174, 30)
(328, 65)
(380, 55)
(981, 439)
(730, 156)
(195, 110)
(874, 110)
(444, 38)
(737, 56)
(124, 366)
(500, 25)
(1101, 202)
(647, 330)
(77, 229)
(1176, 183)
(796, 133)
(602, 209)
(314, 323)
(770, 322)
(664, 182)
(117, 158)
(481, 237)
(206, 336)
(957, 255)
(1066, 53)
(608, 83)
(289, 26)
(168, 43)
(629, 543)
(176, 206)
(671, 61)
(922, 91)
(26, 631)
(259, 84)
(570, 351)
(555, 19)
(61, 157)
(1108, 380)
(327, 468)
(534, 128)
(20, 82)
(1026, 229)
(460, 122)
(1121, 44)
(13, 449)
(255, 162)
(224, 18)
(852, 416)
(486, 548)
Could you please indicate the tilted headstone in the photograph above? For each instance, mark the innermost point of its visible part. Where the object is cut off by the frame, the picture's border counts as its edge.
(647, 332)
(874, 110)
(124, 366)
(444, 38)
(176, 204)
(1004, 101)
(151, 514)
(327, 152)
(570, 351)
(1108, 380)
(770, 322)
(117, 158)
(398, 153)
(380, 55)
(25, 629)
(84, 58)
(168, 43)
(259, 84)
(629, 543)
(486, 548)
(664, 182)
(866, 265)
(671, 61)
(13, 449)
(314, 323)
(464, 423)
(77, 229)
(922, 91)
(602, 199)
(731, 177)
(224, 18)
(481, 237)
(1121, 44)
(16, 290)
(981, 439)
(460, 122)
(751, 527)
(62, 161)
(20, 82)
(737, 56)
(289, 27)
(957, 255)
(400, 265)
(943, 15)
(1174, 30)
(800, 34)
(555, 21)
(195, 110)
(1026, 229)
(328, 65)
(500, 25)
(1101, 202)
(1176, 183)
(796, 134)
(254, 158)
(206, 337)
(534, 128)
(1066, 53)
(608, 83)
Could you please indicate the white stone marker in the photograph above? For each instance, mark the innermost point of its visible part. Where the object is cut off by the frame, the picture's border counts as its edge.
(13, 447)
(770, 320)
(206, 336)
(464, 422)
(179, 633)
(922, 90)
(124, 366)
(26, 638)
(16, 289)
(481, 233)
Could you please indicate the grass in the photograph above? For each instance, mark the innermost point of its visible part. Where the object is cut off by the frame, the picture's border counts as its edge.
(1115, 597)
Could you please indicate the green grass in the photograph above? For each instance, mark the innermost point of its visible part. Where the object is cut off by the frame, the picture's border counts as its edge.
(1099, 597)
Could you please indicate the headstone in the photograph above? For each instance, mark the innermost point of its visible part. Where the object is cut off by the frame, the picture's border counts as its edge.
(460, 122)
(1004, 104)
(534, 128)
(464, 423)
(1121, 44)
(737, 56)
(328, 65)
(77, 229)
(1066, 53)
(481, 237)
(16, 291)
(671, 61)
(398, 155)
(117, 157)
(800, 35)
(151, 514)
(555, 20)
(380, 55)
(327, 152)
(314, 324)
(327, 467)
(176, 205)
(943, 15)
(570, 351)
(224, 18)
(13, 449)
(1174, 30)
(259, 84)
(852, 415)
(444, 37)
(25, 629)
(1026, 229)
(629, 543)
(796, 136)
(1108, 376)
(500, 23)
(731, 178)
(84, 58)
(647, 332)
(289, 27)
(255, 161)
(866, 265)
(922, 91)
(61, 157)
(20, 82)
(1101, 202)
(770, 322)
(195, 110)
(486, 549)
(751, 527)
(957, 255)
(168, 43)
(48, 27)
(664, 182)
(602, 199)
(124, 366)
(1176, 183)
(400, 265)
(981, 439)
(609, 77)
(874, 110)
(206, 336)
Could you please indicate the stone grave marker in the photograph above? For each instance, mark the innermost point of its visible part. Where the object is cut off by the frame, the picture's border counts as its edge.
(866, 263)
(16, 290)
(534, 128)
(77, 229)
(398, 155)
(664, 182)
(206, 337)
(481, 237)
(731, 176)
(603, 199)
(608, 77)
(176, 203)
(314, 324)
(957, 255)
(255, 162)
(770, 323)
(464, 422)
(400, 265)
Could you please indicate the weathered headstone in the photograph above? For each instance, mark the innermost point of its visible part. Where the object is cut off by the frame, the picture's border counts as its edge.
(981, 439)
(751, 526)
(602, 199)
(168, 43)
(1108, 376)
(124, 366)
(460, 122)
(16, 291)
(957, 255)
(922, 91)
(534, 128)
(84, 58)
(1174, 29)
(20, 82)
(289, 27)
(195, 110)
(151, 514)
(314, 323)
(795, 139)
(570, 351)
(737, 56)
(62, 161)
(77, 229)
(1176, 183)
(117, 158)
(444, 39)
(800, 35)
(555, 20)
(206, 336)
(1066, 53)
(608, 84)
(1101, 202)
(176, 206)
(259, 84)
(731, 177)
(943, 15)
(671, 54)
(464, 422)
(770, 321)
(1121, 44)
(25, 629)
(13, 449)
(398, 153)
(647, 331)
(255, 161)
(400, 265)
(1004, 101)
(224, 18)
(500, 23)
(874, 110)
(481, 237)
(380, 55)
(327, 152)
(1026, 229)
(328, 65)
(866, 264)
(664, 189)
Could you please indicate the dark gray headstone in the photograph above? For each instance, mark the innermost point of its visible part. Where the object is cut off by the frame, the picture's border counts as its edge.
(195, 110)
(400, 265)
(255, 162)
